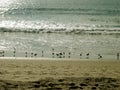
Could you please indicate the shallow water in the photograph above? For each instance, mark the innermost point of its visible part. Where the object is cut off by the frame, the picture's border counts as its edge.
(106, 45)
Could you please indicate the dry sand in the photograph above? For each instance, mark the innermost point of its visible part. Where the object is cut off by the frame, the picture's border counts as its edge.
(46, 74)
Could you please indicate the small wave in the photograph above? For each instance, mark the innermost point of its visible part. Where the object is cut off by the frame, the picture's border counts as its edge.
(66, 31)
(61, 11)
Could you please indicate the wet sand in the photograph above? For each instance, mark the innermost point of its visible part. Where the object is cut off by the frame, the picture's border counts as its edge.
(54, 74)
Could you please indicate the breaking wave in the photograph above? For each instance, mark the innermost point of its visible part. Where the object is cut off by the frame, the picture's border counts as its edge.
(52, 27)
(19, 23)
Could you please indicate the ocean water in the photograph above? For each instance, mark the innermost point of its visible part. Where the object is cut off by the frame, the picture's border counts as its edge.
(73, 27)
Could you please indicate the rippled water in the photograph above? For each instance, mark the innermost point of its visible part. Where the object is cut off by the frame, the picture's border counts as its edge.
(106, 45)
(70, 26)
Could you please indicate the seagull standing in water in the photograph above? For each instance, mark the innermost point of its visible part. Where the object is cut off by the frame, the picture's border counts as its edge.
(26, 54)
(14, 52)
(87, 55)
(53, 52)
(99, 56)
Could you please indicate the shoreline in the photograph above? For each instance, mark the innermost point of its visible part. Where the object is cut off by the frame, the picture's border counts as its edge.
(54, 59)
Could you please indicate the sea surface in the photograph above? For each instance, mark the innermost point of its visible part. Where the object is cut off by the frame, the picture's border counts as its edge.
(86, 29)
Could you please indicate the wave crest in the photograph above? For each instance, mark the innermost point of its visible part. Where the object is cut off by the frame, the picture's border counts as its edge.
(66, 31)
(54, 27)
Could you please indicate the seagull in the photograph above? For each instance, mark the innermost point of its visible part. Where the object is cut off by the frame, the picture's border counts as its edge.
(31, 54)
(87, 55)
(14, 51)
(99, 56)
(25, 54)
(35, 54)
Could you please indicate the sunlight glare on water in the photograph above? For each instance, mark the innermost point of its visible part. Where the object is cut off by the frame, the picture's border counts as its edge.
(6, 3)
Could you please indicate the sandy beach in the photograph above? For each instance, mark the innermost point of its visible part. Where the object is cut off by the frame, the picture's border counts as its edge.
(48, 74)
